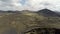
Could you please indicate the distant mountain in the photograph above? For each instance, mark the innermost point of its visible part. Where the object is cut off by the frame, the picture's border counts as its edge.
(58, 12)
(1, 11)
(47, 12)
(44, 12)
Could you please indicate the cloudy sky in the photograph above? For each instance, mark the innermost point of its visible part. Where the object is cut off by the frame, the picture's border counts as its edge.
(29, 5)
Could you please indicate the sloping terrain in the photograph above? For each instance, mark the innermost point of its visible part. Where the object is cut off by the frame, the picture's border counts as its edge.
(25, 21)
(48, 13)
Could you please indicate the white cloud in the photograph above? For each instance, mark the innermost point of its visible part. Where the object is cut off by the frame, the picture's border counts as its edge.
(30, 5)
(50, 4)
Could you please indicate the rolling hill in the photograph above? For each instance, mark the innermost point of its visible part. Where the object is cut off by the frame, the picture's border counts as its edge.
(24, 21)
(47, 12)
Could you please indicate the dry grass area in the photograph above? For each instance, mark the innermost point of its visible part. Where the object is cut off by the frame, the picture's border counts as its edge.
(26, 20)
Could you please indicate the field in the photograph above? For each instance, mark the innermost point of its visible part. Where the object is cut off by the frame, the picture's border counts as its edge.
(16, 23)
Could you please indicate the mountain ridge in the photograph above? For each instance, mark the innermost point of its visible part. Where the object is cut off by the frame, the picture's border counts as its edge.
(44, 12)
(47, 12)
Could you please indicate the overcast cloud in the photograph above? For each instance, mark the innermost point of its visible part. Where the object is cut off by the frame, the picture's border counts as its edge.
(29, 4)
